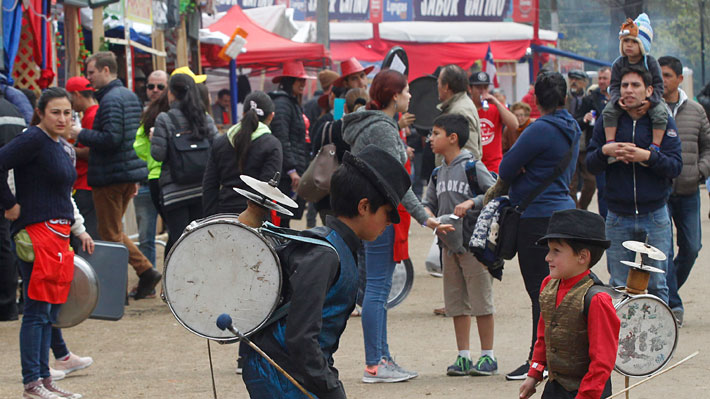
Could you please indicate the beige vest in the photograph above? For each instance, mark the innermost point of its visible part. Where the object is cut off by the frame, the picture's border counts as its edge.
(566, 337)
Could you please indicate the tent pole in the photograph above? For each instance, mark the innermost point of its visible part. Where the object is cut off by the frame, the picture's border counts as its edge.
(44, 35)
(233, 89)
(97, 31)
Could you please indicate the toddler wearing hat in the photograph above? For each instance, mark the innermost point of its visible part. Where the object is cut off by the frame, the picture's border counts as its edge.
(635, 39)
(576, 342)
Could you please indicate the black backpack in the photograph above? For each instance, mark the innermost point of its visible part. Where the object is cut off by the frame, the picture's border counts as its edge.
(187, 155)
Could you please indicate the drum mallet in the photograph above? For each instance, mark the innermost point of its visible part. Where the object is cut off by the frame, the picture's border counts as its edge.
(654, 376)
(224, 321)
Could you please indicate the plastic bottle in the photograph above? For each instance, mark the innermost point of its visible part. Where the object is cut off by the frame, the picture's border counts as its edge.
(594, 118)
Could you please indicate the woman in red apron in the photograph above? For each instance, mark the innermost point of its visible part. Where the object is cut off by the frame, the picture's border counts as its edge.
(42, 215)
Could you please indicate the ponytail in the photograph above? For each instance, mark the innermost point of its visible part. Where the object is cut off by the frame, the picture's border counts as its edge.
(257, 107)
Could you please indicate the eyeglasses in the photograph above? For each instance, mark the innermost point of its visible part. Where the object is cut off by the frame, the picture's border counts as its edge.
(160, 87)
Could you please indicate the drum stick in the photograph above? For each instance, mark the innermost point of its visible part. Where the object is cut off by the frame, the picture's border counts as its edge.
(224, 321)
(654, 376)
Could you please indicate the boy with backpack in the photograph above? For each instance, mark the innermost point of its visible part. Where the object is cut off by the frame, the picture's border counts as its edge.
(458, 185)
(577, 336)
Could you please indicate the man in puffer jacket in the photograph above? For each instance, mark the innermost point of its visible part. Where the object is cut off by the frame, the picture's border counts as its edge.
(684, 202)
(114, 167)
(16, 98)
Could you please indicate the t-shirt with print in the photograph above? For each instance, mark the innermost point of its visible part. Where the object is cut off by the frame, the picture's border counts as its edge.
(491, 137)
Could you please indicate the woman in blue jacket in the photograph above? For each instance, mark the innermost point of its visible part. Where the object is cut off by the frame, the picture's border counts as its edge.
(531, 160)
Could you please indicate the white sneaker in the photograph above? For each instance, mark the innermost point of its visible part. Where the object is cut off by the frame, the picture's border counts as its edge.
(384, 372)
(35, 390)
(62, 393)
(73, 364)
(56, 374)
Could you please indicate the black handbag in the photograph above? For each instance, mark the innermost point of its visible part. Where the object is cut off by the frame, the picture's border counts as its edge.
(509, 219)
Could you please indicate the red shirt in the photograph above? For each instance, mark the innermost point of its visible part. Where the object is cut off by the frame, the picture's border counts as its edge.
(603, 332)
(491, 137)
(82, 166)
(529, 99)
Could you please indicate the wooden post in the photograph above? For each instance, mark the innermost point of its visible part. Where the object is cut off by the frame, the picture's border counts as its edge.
(181, 44)
(159, 44)
(97, 31)
(71, 36)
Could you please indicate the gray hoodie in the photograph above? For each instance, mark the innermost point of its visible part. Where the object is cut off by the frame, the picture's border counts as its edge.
(364, 127)
(452, 186)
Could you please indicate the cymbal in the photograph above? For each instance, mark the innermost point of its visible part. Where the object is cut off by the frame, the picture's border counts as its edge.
(643, 248)
(642, 267)
(265, 202)
(269, 191)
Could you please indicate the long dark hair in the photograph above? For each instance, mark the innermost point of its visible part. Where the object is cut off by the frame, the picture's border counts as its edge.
(154, 109)
(386, 84)
(255, 102)
(47, 96)
(190, 103)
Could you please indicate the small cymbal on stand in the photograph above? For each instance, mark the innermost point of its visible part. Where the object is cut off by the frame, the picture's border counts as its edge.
(645, 249)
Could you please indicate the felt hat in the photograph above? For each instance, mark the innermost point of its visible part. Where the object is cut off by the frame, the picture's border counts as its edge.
(349, 67)
(78, 83)
(292, 69)
(326, 78)
(640, 30)
(576, 225)
(384, 172)
(187, 71)
(577, 74)
(479, 78)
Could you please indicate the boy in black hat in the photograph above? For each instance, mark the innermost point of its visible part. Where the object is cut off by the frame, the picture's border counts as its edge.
(321, 281)
(577, 345)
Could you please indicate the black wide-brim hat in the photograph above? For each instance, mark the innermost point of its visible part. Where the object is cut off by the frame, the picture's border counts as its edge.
(577, 225)
(384, 172)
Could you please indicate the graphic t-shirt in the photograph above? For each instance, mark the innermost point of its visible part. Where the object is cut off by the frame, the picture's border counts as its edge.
(491, 137)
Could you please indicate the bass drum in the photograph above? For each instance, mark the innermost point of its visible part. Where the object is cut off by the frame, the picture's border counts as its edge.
(83, 295)
(220, 265)
(648, 335)
(402, 281)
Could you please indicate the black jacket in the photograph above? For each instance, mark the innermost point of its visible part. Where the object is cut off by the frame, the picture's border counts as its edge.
(288, 126)
(113, 159)
(594, 101)
(222, 173)
(12, 122)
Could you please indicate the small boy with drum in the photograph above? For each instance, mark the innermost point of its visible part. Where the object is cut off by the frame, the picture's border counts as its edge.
(576, 342)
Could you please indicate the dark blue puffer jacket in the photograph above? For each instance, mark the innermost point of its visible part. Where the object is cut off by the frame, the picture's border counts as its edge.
(637, 188)
(113, 159)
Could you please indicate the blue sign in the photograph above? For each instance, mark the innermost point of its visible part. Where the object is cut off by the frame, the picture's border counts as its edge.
(338, 10)
(460, 10)
(397, 10)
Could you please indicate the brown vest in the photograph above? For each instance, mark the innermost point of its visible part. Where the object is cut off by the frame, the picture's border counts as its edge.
(566, 337)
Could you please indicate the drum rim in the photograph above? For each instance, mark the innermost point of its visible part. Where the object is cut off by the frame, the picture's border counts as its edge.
(214, 219)
(630, 298)
(94, 279)
(409, 283)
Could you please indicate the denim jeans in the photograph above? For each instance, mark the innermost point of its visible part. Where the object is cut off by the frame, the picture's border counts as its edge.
(379, 263)
(59, 347)
(655, 225)
(8, 274)
(685, 212)
(35, 332)
(146, 217)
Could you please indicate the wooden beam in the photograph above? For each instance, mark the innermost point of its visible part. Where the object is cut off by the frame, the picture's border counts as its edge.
(159, 45)
(97, 32)
(71, 37)
(181, 44)
(133, 43)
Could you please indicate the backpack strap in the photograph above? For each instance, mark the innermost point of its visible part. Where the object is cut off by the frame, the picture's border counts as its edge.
(598, 287)
(434, 174)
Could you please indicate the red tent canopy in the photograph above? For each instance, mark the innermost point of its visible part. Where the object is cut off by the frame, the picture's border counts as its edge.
(264, 49)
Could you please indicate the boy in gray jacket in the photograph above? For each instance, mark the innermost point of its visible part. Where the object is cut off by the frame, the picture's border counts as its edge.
(455, 187)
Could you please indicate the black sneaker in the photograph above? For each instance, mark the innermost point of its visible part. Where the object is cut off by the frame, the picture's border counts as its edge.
(147, 282)
(518, 374)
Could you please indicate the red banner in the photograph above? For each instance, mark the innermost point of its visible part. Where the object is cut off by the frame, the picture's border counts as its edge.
(523, 10)
(375, 11)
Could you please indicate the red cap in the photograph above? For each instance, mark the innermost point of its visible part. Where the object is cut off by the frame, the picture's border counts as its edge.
(350, 67)
(78, 83)
(293, 69)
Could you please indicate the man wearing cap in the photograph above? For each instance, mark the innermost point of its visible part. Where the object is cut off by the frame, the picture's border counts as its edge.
(319, 104)
(114, 167)
(353, 75)
(492, 115)
(84, 102)
(365, 192)
(575, 99)
(577, 86)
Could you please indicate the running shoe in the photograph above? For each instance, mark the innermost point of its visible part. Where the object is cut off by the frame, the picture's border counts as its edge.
(485, 366)
(383, 372)
(461, 367)
(518, 374)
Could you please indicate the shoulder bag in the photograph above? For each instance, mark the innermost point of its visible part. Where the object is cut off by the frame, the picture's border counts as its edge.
(315, 182)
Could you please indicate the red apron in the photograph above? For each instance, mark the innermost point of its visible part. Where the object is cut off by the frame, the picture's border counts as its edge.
(53, 268)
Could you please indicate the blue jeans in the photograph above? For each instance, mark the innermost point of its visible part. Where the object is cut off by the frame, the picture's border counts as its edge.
(379, 263)
(685, 212)
(146, 217)
(59, 347)
(35, 332)
(655, 225)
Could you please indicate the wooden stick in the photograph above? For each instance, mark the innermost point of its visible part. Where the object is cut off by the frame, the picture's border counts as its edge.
(655, 375)
(626, 385)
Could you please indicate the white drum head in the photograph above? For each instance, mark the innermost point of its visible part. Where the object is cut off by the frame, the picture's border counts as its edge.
(221, 266)
(648, 336)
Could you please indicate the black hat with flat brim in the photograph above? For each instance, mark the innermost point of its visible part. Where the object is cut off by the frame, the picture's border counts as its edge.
(384, 172)
(577, 225)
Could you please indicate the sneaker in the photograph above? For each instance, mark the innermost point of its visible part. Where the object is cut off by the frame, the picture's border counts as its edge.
(412, 374)
(62, 393)
(678, 314)
(383, 372)
(73, 363)
(35, 390)
(132, 293)
(240, 361)
(485, 366)
(56, 374)
(461, 367)
(518, 374)
(147, 282)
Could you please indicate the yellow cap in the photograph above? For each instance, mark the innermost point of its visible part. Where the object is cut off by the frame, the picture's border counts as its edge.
(188, 72)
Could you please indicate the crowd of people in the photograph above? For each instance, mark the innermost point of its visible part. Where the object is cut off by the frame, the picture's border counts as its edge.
(636, 139)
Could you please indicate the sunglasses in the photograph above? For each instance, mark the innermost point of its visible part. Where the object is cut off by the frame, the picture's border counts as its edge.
(159, 86)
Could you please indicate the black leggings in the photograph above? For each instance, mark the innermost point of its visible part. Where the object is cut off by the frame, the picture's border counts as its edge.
(178, 216)
(533, 266)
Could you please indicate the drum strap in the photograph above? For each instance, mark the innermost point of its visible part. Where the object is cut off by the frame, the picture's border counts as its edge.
(598, 287)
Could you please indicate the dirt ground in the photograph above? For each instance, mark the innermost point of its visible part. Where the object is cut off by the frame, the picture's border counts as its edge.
(148, 354)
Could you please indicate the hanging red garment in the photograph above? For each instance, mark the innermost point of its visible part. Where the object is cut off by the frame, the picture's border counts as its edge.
(53, 268)
(401, 230)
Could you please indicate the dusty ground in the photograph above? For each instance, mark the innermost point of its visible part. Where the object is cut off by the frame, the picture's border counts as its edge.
(148, 354)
